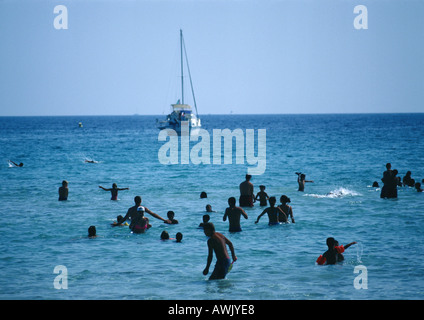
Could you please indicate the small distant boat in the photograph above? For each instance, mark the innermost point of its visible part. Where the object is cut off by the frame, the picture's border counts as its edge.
(180, 110)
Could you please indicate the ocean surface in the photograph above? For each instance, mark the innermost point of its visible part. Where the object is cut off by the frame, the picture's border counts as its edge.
(342, 154)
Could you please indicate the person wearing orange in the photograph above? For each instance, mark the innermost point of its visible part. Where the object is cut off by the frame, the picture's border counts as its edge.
(332, 255)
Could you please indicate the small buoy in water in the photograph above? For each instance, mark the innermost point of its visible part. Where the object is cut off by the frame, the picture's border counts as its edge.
(80, 124)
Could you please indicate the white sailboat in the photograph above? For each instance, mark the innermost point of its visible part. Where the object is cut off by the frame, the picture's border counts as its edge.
(180, 110)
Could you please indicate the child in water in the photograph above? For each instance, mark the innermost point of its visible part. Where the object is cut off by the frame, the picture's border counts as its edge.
(263, 196)
(140, 223)
(63, 191)
(117, 224)
(209, 208)
(334, 252)
(179, 237)
(301, 180)
(164, 235)
(92, 232)
(206, 219)
(114, 191)
(171, 219)
(286, 209)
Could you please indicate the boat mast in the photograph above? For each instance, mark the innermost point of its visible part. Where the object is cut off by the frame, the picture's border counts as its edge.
(191, 82)
(182, 67)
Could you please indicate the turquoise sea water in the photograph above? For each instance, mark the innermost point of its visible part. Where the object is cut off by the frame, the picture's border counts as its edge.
(342, 154)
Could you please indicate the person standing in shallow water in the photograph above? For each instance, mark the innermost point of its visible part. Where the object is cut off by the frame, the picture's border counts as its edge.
(233, 213)
(132, 213)
(217, 243)
(301, 180)
(263, 196)
(389, 189)
(386, 180)
(286, 209)
(114, 191)
(63, 191)
(275, 214)
(246, 192)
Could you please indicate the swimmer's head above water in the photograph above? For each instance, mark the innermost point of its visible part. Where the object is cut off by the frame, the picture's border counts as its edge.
(137, 200)
(92, 232)
(284, 199)
(232, 202)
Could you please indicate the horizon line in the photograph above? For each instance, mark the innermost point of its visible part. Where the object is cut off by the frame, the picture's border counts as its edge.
(213, 114)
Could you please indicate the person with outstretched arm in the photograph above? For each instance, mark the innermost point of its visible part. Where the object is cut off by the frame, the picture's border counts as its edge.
(132, 213)
(334, 252)
(114, 191)
(301, 180)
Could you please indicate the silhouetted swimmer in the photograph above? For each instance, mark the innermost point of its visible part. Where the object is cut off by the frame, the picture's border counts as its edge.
(132, 212)
(164, 235)
(398, 180)
(301, 180)
(389, 189)
(407, 179)
(63, 191)
(209, 208)
(332, 255)
(92, 232)
(206, 219)
(274, 213)
(171, 219)
(375, 184)
(116, 224)
(114, 191)
(288, 210)
(263, 196)
(203, 195)
(15, 164)
(246, 192)
(218, 243)
(418, 187)
(179, 237)
(233, 213)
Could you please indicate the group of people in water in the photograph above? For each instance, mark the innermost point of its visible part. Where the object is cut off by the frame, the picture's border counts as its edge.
(217, 242)
(139, 223)
(276, 215)
(391, 182)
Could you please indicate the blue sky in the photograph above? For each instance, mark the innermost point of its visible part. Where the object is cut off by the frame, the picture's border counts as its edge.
(268, 56)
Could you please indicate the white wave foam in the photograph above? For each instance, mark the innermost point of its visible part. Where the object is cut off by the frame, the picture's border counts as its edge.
(337, 193)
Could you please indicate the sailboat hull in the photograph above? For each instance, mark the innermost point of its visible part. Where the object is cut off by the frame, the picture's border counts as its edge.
(193, 123)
